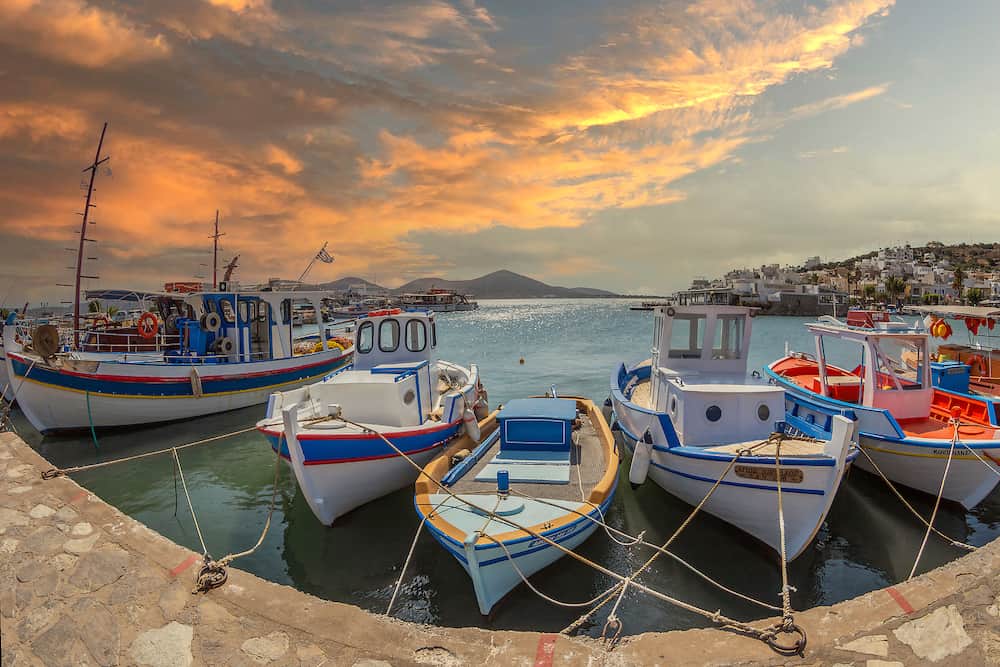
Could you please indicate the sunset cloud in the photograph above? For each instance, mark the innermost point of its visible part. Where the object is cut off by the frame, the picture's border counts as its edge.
(382, 125)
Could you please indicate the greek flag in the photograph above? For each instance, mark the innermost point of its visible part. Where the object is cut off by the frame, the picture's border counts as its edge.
(324, 256)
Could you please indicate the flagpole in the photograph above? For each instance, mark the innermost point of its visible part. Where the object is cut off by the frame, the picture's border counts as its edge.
(311, 262)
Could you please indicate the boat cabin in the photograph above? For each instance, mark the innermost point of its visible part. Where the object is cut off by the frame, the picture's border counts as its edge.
(698, 376)
(893, 373)
(391, 380)
(220, 327)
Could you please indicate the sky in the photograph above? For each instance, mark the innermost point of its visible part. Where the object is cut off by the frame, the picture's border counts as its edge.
(624, 145)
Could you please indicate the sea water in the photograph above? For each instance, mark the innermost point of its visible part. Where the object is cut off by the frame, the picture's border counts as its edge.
(522, 348)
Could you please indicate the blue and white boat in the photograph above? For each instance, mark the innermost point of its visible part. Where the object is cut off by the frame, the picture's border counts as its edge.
(691, 415)
(395, 388)
(205, 352)
(907, 425)
(549, 466)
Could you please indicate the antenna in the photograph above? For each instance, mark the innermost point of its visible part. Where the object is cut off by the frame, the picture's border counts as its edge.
(215, 252)
(98, 161)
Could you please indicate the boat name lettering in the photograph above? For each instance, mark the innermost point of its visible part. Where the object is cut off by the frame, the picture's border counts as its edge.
(791, 475)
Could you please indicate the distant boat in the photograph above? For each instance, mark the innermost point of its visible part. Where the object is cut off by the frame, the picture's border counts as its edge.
(650, 305)
(395, 388)
(206, 352)
(691, 416)
(907, 425)
(549, 464)
(438, 301)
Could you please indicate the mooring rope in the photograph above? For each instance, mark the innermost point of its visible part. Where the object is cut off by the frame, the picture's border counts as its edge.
(767, 635)
(937, 501)
(952, 541)
(8, 405)
(406, 563)
(59, 472)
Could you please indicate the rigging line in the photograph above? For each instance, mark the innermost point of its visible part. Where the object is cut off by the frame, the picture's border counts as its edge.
(937, 501)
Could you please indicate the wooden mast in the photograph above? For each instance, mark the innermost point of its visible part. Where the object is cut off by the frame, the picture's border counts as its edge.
(98, 161)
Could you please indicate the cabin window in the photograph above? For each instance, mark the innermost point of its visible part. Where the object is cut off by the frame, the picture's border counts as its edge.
(286, 311)
(244, 311)
(899, 364)
(366, 338)
(416, 336)
(434, 334)
(728, 337)
(388, 335)
(763, 412)
(686, 335)
(713, 413)
(226, 310)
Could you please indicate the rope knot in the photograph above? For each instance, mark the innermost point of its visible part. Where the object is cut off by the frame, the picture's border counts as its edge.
(211, 575)
(52, 473)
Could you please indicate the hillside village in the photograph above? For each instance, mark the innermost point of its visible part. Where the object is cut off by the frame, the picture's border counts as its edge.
(927, 275)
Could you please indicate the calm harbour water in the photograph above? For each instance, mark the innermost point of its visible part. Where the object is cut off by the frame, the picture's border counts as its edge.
(869, 541)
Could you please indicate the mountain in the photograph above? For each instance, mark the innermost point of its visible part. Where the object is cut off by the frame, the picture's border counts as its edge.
(348, 282)
(503, 285)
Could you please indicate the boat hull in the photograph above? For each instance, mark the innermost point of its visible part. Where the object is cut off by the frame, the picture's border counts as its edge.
(124, 394)
(914, 462)
(341, 472)
(491, 567)
(747, 496)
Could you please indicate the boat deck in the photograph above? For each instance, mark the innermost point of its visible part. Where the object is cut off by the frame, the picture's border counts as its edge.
(642, 394)
(789, 447)
(587, 466)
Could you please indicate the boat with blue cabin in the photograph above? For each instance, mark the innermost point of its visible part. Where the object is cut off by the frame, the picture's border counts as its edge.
(690, 416)
(202, 353)
(914, 429)
(548, 467)
(346, 435)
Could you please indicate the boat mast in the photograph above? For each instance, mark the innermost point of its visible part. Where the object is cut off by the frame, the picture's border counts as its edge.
(215, 252)
(98, 161)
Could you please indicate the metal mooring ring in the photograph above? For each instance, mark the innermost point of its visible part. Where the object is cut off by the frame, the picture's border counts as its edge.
(784, 649)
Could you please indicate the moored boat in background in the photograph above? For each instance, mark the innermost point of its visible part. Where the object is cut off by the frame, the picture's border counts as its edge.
(691, 416)
(912, 430)
(206, 352)
(439, 301)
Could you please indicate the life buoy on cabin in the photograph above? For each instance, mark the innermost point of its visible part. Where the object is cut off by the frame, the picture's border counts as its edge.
(640, 460)
(470, 424)
(147, 326)
(102, 321)
(211, 322)
(224, 347)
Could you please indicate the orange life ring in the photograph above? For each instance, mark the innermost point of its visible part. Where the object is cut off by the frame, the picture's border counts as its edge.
(147, 326)
(103, 322)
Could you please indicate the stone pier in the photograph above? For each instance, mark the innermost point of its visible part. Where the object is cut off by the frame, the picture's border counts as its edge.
(83, 584)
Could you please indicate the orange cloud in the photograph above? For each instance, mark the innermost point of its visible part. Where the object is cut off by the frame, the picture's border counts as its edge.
(73, 31)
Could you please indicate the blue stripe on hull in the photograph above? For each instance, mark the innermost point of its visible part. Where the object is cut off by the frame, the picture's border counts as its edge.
(182, 388)
(345, 450)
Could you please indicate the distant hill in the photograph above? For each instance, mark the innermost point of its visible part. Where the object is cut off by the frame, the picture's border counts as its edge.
(346, 283)
(969, 256)
(503, 285)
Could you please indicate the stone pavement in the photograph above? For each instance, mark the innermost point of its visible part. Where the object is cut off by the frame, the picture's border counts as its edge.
(83, 584)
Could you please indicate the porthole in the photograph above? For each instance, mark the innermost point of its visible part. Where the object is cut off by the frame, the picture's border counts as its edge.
(409, 396)
(763, 412)
(713, 413)
(673, 406)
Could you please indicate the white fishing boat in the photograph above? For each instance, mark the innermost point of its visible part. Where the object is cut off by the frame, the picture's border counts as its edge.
(691, 415)
(909, 427)
(395, 389)
(206, 352)
(548, 468)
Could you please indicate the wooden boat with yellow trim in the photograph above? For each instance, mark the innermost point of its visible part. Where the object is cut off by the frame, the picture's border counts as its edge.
(549, 466)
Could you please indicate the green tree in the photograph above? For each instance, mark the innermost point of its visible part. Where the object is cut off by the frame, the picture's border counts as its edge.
(112, 311)
(869, 292)
(94, 306)
(956, 283)
(894, 287)
(932, 299)
(974, 296)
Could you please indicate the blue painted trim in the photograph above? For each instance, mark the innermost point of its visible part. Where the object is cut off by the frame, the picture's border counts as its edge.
(697, 453)
(470, 461)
